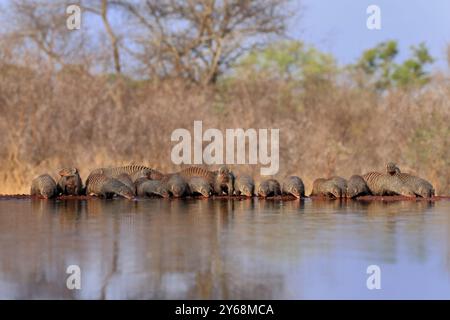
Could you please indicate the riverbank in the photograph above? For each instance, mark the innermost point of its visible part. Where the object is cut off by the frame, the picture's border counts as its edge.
(280, 198)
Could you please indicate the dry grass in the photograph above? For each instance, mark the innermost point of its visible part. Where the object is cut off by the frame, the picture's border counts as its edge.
(75, 119)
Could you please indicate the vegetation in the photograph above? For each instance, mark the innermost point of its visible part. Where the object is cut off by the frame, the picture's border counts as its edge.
(105, 104)
(378, 64)
(288, 60)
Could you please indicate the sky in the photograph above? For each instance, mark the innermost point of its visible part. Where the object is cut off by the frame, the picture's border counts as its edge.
(339, 26)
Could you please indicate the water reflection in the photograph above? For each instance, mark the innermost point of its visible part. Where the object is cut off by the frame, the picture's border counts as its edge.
(223, 249)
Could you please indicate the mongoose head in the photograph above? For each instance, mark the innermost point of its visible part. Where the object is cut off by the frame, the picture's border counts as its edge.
(48, 192)
(70, 184)
(352, 191)
(391, 168)
(205, 190)
(336, 191)
(162, 191)
(425, 192)
(67, 172)
(200, 185)
(126, 192)
(223, 174)
(263, 189)
(247, 190)
(294, 190)
(177, 189)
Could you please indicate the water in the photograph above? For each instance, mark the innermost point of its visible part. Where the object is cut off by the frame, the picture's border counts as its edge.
(224, 249)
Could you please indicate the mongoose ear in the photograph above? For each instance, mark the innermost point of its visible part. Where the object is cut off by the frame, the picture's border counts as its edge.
(74, 170)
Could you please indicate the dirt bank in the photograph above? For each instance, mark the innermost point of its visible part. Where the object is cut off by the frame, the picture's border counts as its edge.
(282, 198)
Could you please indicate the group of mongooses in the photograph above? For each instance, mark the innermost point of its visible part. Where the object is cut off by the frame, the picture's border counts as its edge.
(140, 181)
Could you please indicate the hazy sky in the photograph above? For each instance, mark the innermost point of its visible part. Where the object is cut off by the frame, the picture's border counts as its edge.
(339, 26)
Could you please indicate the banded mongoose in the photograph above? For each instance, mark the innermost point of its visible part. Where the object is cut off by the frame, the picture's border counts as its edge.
(134, 171)
(126, 180)
(326, 188)
(176, 185)
(200, 185)
(293, 185)
(70, 182)
(221, 180)
(224, 181)
(391, 168)
(146, 188)
(101, 185)
(43, 186)
(357, 186)
(67, 171)
(341, 183)
(244, 185)
(269, 187)
(419, 186)
(381, 184)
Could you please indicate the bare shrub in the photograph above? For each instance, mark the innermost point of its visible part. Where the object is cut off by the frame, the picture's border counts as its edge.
(72, 118)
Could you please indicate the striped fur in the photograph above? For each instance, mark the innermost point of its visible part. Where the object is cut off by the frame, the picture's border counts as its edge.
(198, 172)
(70, 182)
(176, 185)
(146, 188)
(327, 188)
(222, 180)
(134, 171)
(43, 186)
(269, 187)
(419, 186)
(200, 185)
(341, 183)
(293, 185)
(101, 185)
(126, 180)
(71, 185)
(244, 185)
(67, 172)
(385, 184)
(357, 186)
